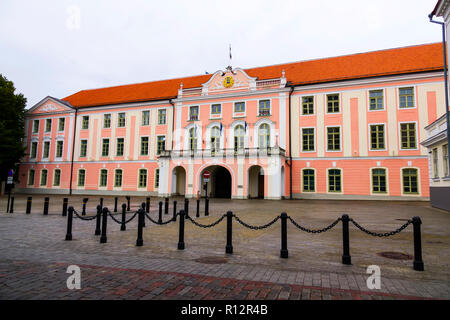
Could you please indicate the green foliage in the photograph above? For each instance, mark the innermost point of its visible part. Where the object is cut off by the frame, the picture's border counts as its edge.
(12, 122)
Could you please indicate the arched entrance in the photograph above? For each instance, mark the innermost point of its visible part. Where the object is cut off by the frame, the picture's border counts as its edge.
(178, 181)
(219, 185)
(256, 182)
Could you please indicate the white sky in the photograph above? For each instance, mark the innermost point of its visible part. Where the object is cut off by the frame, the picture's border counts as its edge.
(45, 50)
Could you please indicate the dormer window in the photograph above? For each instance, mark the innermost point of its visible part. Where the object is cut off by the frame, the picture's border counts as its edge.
(193, 113)
(264, 108)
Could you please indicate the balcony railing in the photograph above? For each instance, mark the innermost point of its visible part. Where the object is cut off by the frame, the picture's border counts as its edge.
(264, 112)
(224, 153)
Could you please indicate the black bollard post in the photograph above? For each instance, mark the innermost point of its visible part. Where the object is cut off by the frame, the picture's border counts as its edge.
(115, 203)
(346, 258)
(140, 241)
(229, 246)
(198, 208)
(28, 205)
(64, 208)
(98, 220)
(206, 206)
(101, 202)
(181, 231)
(128, 201)
(174, 210)
(103, 237)
(69, 224)
(186, 207)
(143, 209)
(166, 206)
(284, 251)
(147, 205)
(123, 226)
(46, 201)
(83, 212)
(11, 206)
(418, 263)
(160, 212)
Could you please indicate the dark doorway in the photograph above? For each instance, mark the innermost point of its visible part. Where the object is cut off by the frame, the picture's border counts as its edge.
(261, 186)
(222, 186)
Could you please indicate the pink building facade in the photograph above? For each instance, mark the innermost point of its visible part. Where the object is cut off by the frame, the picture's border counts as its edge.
(338, 128)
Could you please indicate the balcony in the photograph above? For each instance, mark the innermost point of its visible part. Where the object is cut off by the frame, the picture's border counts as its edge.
(264, 112)
(193, 117)
(223, 153)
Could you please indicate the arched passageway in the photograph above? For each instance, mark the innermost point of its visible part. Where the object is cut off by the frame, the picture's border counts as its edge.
(255, 182)
(219, 185)
(178, 181)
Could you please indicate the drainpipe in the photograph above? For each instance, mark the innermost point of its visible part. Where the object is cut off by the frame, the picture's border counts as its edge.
(446, 81)
(173, 120)
(73, 150)
(290, 144)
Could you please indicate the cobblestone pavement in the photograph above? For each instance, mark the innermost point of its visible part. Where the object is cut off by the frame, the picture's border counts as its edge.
(34, 256)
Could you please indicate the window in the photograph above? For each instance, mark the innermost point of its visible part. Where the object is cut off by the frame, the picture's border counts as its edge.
(81, 177)
(239, 107)
(107, 121)
(239, 134)
(307, 105)
(216, 109)
(435, 159)
(264, 108)
(145, 118)
(83, 148)
(308, 180)
(57, 178)
(157, 178)
(192, 139)
(264, 136)
(379, 180)
(410, 181)
(35, 126)
(120, 143)
(118, 178)
(105, 147)
(85, 122)
(408, 135)
(376, 100)
(162, 116)
(142, 178)
(103, 177)
(377, 137)
(334, 138)
(61, 124)
(193, 113)
(334, 180)
(161, 144)
(59, 148)
(121, 120)
(215, 139)
(48, 125)
(46, 149)
(44, 177)
(445, 156)
(33, 151)
(406, 96)
(332, 103)
(31, 177)
(307, 139)
(144, 146)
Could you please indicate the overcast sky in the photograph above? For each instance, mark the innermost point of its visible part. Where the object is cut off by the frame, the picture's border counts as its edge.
(59, 47)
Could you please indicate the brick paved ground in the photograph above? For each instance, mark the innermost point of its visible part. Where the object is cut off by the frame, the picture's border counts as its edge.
(34, 256)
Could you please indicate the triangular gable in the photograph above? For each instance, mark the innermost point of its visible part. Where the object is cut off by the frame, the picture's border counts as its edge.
(229, 80)
(50, 105)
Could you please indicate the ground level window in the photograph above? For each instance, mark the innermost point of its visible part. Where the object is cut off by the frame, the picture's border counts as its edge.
(410, 181)
(81, 177)
(118, 178)
(308, 180)
(44, 177)
(157, 178)
(103, 177)
(334, 180)
(57, 177)
(31, 177)
(379, 180)
(142, 178)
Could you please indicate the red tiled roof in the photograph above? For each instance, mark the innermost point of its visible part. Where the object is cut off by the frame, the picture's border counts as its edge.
(421, 58)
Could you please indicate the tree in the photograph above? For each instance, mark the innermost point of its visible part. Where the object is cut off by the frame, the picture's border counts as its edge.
(12, 122)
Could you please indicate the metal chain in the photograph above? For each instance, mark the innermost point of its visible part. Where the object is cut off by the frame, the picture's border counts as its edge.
(82, 218)
(312, 230)
(206, 225)
(120, 222)
(256, 227)
(387, 234)
(156, 222)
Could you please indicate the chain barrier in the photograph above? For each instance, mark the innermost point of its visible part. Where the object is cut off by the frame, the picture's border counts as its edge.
(317, 230)
(156, 222)
(387, 234)
(256, 227)
(206, 225)
(119, 221)
(83, 218)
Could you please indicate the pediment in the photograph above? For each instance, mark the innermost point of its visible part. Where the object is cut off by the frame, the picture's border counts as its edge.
(229, 80)
(50, 105)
